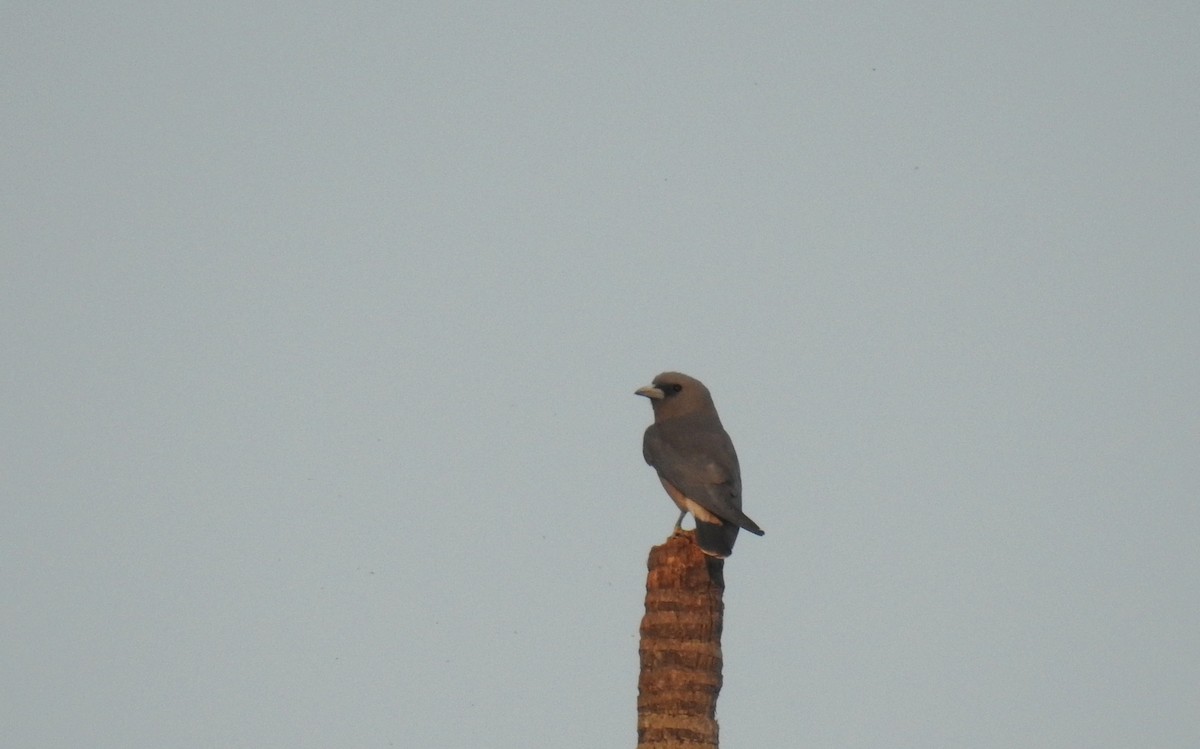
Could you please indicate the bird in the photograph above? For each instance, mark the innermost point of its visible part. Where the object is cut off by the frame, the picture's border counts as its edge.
(694, 458)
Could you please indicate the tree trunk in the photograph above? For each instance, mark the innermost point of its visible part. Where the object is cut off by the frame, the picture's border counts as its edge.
(680, 648)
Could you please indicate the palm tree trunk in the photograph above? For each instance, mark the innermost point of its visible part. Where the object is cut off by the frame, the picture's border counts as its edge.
(680, 648)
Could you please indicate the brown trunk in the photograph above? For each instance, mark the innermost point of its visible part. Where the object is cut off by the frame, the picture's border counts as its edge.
(681, 648)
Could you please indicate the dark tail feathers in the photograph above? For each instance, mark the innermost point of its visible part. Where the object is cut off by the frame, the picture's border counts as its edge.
(716, 539)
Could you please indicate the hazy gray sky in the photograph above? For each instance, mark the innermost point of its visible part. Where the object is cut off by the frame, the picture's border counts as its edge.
(321, 324)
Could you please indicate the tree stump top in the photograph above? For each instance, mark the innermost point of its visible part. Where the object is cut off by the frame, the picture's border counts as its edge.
(680, 647)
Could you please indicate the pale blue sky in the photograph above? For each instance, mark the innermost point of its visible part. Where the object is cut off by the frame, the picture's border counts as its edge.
(322, 322)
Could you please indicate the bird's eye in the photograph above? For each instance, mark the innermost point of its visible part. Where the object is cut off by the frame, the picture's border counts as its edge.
(676, 388)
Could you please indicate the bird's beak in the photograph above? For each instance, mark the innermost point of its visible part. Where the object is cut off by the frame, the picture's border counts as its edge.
(650, 392)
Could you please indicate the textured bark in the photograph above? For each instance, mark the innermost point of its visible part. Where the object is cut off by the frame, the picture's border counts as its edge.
(680, 648)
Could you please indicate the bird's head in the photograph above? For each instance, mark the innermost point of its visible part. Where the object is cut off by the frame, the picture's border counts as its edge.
(675, 394)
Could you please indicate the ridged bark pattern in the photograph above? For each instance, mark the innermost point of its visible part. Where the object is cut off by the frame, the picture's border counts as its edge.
(680, 648)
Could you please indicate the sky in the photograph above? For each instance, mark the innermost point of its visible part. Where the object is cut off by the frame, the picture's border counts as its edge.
(321, 325)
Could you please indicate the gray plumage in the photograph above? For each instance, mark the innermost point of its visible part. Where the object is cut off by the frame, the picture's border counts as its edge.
(695, 461)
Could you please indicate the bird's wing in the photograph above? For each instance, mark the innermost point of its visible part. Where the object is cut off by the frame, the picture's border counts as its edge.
(699, 460)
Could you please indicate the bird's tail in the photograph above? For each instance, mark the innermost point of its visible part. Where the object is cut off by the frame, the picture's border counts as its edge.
(716, 539)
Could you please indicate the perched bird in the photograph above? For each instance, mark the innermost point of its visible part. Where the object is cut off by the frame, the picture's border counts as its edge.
(695, 461)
